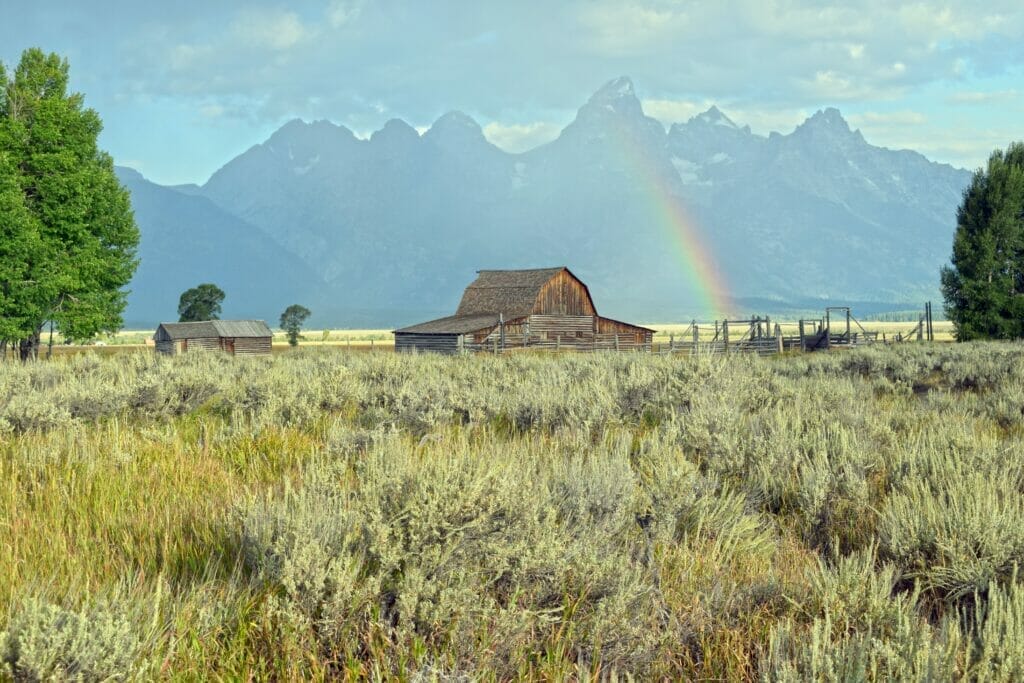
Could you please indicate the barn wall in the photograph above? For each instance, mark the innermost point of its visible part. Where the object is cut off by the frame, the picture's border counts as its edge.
(606, 326)
(564, 295)
(252, 346)
(438, 343)
(565, 325)
(166, 346)
(514, 328)
(208, 343)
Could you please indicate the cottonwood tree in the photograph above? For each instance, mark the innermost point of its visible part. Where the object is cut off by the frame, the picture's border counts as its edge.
(291, 322)
(68, 232)
(983, 286)
(200, 303)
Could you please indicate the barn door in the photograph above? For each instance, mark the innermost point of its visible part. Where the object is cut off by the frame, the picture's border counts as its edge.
(229, 346)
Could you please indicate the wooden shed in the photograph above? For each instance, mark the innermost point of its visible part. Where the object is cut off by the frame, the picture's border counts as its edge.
(237, 337)
(539, 308)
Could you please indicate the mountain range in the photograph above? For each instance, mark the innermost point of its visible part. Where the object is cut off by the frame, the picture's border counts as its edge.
(388, 230)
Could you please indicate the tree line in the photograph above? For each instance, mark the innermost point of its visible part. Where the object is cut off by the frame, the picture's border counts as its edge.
(67, 233)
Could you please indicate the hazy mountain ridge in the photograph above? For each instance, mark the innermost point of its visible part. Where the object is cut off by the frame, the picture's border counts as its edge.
(395, 226)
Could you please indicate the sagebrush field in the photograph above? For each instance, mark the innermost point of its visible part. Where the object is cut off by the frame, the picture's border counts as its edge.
(845, 516)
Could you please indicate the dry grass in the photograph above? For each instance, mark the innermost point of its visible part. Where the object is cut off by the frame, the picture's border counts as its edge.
(321, 515)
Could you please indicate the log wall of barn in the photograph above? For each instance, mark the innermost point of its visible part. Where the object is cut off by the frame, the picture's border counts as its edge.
(606, 326)
(437, 343)
(564, 295)
(167, 346)
(208, 343)
(252, 346)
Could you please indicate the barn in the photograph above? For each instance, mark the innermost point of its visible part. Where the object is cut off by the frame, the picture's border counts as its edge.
(509, 309)
(237, 337)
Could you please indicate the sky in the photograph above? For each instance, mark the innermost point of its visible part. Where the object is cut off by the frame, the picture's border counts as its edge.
(183, 87)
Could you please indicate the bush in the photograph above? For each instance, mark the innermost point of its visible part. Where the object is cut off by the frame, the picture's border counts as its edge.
(47, 642)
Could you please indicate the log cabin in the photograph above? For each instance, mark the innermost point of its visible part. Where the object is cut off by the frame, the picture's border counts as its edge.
(237, 337)
(546, 308)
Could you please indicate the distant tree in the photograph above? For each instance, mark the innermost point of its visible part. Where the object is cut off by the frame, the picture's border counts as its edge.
(983, 287)
(200, 303)
(66, 225)
(291, 322)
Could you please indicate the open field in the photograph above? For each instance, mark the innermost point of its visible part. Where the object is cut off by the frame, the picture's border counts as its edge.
(313, 515)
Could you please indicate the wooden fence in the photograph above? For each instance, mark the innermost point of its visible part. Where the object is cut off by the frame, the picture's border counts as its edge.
(537, 342)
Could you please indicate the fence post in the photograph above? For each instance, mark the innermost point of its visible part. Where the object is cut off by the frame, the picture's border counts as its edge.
(696, 333)
(616, 341)
(725, 333)
(779, 346)
(920, 328)
(558, 342)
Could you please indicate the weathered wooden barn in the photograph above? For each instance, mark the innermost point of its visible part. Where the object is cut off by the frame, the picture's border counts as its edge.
(509, 309)
(237, 337)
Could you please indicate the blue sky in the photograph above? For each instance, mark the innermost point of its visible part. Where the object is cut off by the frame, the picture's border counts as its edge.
(182, 87)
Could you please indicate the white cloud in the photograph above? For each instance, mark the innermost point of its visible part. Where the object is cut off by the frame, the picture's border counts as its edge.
(982, 97)
(341, 12)
(675, 111)
(212, 111)
(831, 85)
(890, 118)
(520, 137)
(620, 28)
(276, 30)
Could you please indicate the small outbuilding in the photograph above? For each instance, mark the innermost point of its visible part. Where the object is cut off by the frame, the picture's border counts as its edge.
(538, 308)
(237, 337)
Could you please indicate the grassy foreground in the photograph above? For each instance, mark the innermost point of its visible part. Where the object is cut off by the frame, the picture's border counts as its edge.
(325, 514)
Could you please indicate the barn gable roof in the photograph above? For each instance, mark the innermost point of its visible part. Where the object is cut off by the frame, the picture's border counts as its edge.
(510, 292)
(216, 328)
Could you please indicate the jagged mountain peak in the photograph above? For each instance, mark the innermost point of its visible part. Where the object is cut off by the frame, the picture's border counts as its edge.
(395, 130)
(828, 120)
(618, 96)
(715, 117)
(297, 128)
(615, 89)
(455, 125)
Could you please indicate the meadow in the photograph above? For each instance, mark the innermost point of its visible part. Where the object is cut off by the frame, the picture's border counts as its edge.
(322, 514)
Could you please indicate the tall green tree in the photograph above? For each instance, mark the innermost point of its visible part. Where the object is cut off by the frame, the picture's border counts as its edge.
(200, 303)
(983, 287)
(72, 229)
(292, 320)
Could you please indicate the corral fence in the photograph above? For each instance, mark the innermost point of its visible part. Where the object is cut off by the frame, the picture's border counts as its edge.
(555, 342)
(836, 329)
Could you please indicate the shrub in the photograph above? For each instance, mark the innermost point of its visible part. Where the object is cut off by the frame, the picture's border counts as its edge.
(47, 642)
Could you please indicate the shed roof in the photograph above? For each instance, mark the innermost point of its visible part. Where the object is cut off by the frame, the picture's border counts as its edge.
(512, 292)
(453, 324)
(625, 324)
(217, 328)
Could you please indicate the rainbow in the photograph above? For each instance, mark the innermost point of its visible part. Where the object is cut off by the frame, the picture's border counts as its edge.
(700, 267)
